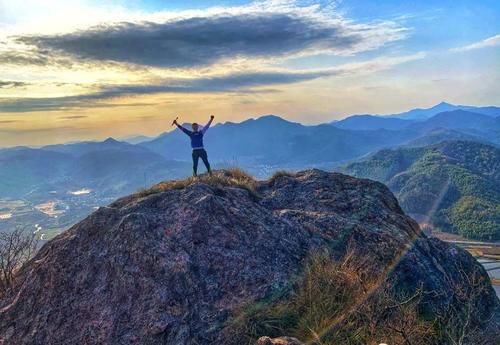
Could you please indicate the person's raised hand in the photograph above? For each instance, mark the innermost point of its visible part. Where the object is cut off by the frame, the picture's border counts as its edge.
(212, 117)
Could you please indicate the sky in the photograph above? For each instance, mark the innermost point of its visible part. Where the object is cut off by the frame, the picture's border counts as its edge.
(88, 70)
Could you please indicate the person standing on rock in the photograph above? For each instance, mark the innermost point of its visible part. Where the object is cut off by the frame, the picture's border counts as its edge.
(196, 136)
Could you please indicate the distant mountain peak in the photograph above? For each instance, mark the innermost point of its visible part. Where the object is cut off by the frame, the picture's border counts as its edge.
(443, 103)
(271, 117)
(110, 140)
(263, 120)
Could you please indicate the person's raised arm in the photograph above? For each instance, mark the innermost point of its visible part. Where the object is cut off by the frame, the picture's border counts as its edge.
(187, 131)
(207, 126)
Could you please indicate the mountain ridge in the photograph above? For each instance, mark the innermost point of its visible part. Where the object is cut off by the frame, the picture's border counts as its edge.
(273, 140)
(424, 113)
(456, 119)
(395, 122)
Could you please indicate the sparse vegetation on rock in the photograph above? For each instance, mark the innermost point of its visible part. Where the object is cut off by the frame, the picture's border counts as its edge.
(16, 247)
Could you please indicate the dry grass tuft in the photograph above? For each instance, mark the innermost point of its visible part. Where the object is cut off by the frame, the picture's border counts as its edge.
(221, 178)
(328, 306)
(278, 174)
(324, 291)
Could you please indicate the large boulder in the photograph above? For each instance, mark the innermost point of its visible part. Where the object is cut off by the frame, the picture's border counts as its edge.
(172, 265)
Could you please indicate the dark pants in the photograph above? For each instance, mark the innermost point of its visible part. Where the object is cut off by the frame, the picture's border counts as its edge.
(197, 154)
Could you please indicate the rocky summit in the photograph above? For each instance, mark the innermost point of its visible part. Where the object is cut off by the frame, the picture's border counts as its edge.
(185, 261)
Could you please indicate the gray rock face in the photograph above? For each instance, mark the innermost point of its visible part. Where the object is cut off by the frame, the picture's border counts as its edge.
(171, 267)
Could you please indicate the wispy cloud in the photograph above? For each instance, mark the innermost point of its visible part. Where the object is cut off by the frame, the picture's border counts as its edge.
(50, 130)
(486, 43)
(6, 84)
(35, 57)
(244, 82)
(73, 117)
(225, 83)
(91, 100)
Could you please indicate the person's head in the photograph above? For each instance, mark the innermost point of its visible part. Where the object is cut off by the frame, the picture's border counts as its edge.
(194, 126)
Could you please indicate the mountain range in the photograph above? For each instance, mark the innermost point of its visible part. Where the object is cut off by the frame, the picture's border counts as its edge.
(55, 186)
(420, 114)
(406, 119)
(109, 166)
(261, 146)
(272, 140)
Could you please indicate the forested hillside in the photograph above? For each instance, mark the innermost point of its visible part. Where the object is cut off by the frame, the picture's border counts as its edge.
(454, 186)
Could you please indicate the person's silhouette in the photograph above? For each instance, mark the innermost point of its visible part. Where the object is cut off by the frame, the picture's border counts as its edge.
(197, 144)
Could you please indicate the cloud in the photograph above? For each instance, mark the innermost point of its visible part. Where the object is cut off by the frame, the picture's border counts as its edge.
(5, 84)
(34, 58)
(38, 130)
(73, 117)
(21, 58)
(198, 40)
(215, 50)
(486, 43)
(227, 83)
(32, 104)
(243, 82)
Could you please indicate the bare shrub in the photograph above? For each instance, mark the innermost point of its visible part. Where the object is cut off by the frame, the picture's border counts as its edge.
(15, 248)
(460, 321)
(388, 317)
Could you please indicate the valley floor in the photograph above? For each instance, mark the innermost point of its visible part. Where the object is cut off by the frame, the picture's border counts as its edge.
(487, 253)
